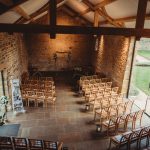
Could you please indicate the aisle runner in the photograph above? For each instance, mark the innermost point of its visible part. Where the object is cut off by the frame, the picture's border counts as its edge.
(9, 130)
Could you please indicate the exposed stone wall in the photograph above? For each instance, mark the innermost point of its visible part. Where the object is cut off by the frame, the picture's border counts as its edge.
(71, 50)
(13, 58)
(111, 57)
(126, 79)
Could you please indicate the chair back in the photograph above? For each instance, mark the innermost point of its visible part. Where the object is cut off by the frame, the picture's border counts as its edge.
(35, 144)
(6, 142)
(20, 143)
(108, 84)
(125, 137)
(50, 145)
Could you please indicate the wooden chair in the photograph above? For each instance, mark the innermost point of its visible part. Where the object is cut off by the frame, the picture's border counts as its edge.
(107, 91)
(129, 106)
(94, 77)
(113, 100)
(113, 122)
(134, 137)
(108, 84)
(102, 85)
(94, 104)
(145, 133)
(24, 96)
(99, 94)
(20, 143)
(6, 143)
(138, 116)
(40, 98)
(122, 108)
(130, 118)
(105, 102)
(124, 121)
(50, 145)
(120, 140)
(49, 98)
(114, 90)
(35, 144)
(91, 97)
(31, 96)
(113, 110)
(105, 79)
(98, 80)
(103, 114)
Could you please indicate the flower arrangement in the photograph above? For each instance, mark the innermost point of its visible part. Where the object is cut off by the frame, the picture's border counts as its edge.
(3, 100)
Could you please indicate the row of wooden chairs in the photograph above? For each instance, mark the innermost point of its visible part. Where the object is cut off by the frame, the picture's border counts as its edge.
(97, 85)
(106, 112)
(38, 82)
(104, 101)
(37, 87)
(38, 97)
(92, 95)
(129, 137)
(15, 143)
(93, 81)
(124, 119)
(38, 78)
(90, 77)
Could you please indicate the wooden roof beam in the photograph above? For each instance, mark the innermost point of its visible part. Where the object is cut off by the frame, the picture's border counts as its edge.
(104, 3)
(78, 15)
(19, 2)
(104, 14)
(32, 16)
(140, 19)
(53, 17)
(96, 18)
(101, 13)
(141, 12)
(126, 19)
(60, 29)
(22, 13)
(40, 11)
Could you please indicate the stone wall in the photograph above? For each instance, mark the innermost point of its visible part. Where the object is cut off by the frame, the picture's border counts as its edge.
(111, 57)
(71, 50)
(13, 58)
(129, 64)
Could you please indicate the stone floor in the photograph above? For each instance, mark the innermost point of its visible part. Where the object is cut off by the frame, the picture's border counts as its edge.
(66, 121)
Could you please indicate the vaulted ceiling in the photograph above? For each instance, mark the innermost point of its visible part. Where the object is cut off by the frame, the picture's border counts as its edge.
(109, 13)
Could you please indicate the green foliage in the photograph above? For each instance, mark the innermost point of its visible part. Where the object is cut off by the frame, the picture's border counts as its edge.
(141, 78)
(144, 53)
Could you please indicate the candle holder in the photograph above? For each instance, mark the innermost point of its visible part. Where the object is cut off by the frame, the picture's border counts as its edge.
(87, 107)
(98, 128)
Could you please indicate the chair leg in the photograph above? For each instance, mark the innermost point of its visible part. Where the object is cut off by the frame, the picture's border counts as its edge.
(139, 144)
(147, 141)
(28, 102)
(125, 126)
(140, 122)
(128, 146)
(107, 131)
(133, 125)
(94, 116)
(109, 145)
